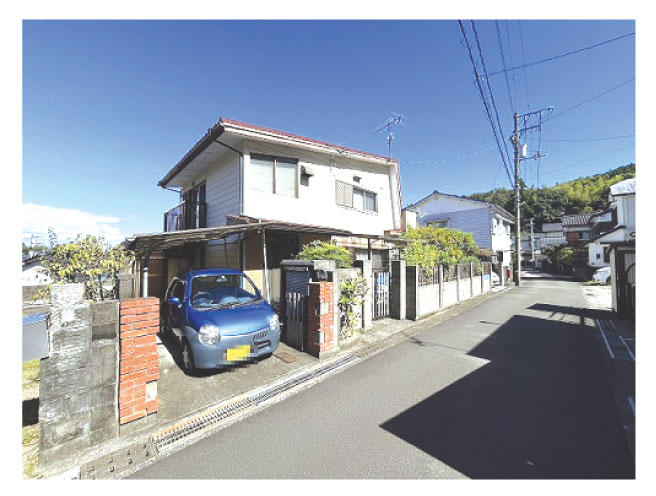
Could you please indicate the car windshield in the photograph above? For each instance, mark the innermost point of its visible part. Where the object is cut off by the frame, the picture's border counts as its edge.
(223, 290)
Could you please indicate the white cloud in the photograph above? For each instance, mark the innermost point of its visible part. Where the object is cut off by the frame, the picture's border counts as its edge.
(68, 223)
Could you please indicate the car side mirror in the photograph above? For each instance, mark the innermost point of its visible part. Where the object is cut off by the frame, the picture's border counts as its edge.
(174, 301)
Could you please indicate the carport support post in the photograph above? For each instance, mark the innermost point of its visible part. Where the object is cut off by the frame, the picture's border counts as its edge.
(265, 279)
(144, 276)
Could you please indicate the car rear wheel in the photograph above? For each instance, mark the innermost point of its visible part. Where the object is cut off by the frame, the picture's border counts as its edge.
(188, 358)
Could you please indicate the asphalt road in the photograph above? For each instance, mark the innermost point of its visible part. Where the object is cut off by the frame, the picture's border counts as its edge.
(514, 388)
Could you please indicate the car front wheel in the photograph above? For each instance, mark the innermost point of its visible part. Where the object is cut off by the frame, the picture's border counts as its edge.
(188, 358)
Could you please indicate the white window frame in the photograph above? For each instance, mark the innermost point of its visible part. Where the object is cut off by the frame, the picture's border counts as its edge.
(436, 223)
(264, 156)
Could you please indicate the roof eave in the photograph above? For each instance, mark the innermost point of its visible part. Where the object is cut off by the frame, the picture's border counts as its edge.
(212, 135)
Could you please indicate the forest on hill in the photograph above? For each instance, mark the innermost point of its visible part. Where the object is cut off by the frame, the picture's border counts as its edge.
(548, 204)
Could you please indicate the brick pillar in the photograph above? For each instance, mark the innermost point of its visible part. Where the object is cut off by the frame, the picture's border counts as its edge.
(138, 362)
(321, 329)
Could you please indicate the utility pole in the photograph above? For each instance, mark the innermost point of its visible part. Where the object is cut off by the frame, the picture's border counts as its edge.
(517, 269)
(518, 259)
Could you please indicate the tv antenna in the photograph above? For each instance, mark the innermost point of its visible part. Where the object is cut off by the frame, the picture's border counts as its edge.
(396, 119)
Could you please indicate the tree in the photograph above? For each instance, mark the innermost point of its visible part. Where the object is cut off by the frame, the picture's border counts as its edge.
(326, 250)
(585, 194)
(431, 246)
(88, 260)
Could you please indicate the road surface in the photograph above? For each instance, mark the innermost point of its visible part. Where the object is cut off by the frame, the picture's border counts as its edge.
(513, 388)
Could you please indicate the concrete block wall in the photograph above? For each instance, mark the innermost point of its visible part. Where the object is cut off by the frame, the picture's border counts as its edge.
(423, 300)
(321, 310)
(139, 361)
(78, 395)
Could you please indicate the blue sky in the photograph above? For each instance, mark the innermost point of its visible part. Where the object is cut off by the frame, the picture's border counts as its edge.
(110, 106)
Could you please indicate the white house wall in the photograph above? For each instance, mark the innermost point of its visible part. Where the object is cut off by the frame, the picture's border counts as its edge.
(315, 204)
(595, 248)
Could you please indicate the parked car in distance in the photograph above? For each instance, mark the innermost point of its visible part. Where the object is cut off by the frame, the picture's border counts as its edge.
(602, 275)
(495, 278)
(219, 318)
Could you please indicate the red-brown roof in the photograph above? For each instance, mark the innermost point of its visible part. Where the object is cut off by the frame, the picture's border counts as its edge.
(303, 138)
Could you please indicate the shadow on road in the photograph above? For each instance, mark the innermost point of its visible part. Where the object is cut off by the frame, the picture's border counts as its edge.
(541, 408)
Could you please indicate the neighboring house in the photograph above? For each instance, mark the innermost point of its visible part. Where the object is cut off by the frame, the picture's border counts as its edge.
(489, 224)
(600, 224)
(576, 229)
(620, 245)
(33, 273)
(551, 234)
(239, 174)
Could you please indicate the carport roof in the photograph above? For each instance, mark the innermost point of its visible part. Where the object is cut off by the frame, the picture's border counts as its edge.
(143, 244)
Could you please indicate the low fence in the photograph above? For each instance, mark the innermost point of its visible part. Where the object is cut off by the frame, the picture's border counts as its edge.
(428, 291)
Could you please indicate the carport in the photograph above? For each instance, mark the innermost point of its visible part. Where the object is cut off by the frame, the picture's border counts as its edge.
(144, 245)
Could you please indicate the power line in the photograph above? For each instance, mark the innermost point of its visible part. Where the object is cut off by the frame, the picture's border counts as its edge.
(521, 42)
(561, 55)
(481, 92)
(588, 159)
(607, 138)
(503, 61)
(446, 161)
(487, 81)
(590, 99)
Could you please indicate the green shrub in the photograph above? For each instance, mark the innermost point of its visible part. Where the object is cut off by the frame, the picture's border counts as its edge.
(326, 250)
(429, 247)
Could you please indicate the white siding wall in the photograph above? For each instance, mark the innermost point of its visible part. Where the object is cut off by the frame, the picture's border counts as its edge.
(316, 204)
(501, 234)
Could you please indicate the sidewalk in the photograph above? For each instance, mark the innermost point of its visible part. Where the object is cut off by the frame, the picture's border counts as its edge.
(193, 407)
(617, 345)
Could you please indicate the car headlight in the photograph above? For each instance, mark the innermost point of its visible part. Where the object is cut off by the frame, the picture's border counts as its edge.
(209, 335)
(274, 322)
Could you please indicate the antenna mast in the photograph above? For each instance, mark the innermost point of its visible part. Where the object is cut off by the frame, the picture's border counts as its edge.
(395, 119)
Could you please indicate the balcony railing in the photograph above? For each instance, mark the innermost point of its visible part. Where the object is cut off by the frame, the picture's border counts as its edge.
(187, 215)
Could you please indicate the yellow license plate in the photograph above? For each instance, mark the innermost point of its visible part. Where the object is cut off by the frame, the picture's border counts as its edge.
(238, 353)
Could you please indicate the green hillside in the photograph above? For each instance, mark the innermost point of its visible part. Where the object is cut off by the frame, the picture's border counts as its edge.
(585, 194)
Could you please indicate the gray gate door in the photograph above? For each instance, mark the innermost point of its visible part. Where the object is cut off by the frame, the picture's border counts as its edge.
(296, 293)
(381, 294)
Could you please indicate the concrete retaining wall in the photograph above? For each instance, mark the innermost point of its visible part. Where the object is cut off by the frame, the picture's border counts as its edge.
(78, 390)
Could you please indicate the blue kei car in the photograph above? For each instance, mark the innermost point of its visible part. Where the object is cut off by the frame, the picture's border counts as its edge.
(219, 317)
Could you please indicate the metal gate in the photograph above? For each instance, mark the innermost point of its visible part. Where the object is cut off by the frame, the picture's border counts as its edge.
(296, 293)
(381, 294)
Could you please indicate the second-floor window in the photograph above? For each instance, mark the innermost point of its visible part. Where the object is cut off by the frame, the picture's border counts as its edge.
(347, 195)
(274, 174)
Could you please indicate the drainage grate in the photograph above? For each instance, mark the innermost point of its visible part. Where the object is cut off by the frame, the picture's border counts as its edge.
(168, 437)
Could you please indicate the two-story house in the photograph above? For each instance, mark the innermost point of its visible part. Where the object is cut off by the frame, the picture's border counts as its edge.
(576, 228)
(239, 176)
(489, 224)
(617, 246)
